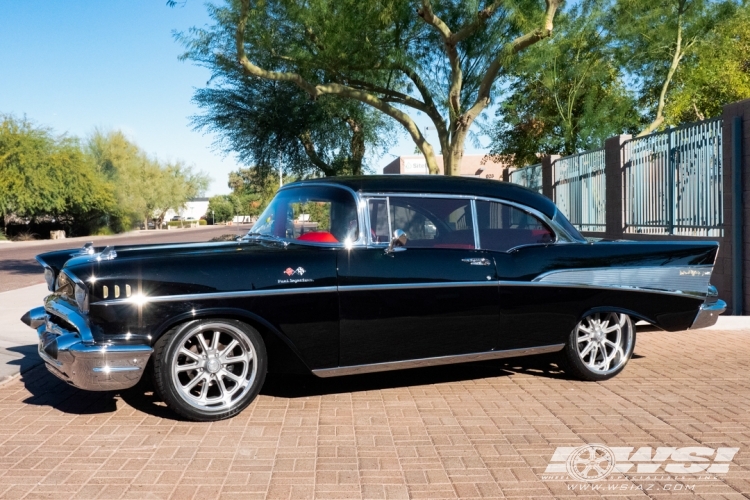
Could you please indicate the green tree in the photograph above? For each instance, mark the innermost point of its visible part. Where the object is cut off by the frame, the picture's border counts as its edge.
(396, 57)
(654, 38)
(43, 174)
(221, 208)
(270, 123)
(716, 73)
(145, 188)
(566, 96)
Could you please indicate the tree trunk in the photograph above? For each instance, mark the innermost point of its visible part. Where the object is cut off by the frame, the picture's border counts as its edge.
(357, 146)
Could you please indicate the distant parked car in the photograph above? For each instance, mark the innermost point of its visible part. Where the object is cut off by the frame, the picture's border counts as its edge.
(399, 272)
(177, 218)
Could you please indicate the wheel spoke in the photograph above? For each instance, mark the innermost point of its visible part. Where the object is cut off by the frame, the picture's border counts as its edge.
(246, 356)
(204, 390)
(584, 338)
(202, 341)
(228, 349)
(215, 341)
(236, 378)
(587, 349)
(594, 352)
(190, 354)
(194, 382)
(185, 368)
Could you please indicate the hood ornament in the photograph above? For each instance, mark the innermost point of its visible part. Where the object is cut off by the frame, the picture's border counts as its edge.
(107, 254)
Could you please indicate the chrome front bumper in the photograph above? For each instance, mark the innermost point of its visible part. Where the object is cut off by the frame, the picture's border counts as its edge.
(72, 355)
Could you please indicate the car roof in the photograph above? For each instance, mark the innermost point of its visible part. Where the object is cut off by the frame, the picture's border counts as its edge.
(439, 184)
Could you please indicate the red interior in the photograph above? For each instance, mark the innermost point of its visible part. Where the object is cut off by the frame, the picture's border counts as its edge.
(318, 237)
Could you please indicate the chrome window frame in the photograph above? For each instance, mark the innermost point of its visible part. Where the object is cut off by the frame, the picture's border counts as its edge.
(360, 205)
(561, 236)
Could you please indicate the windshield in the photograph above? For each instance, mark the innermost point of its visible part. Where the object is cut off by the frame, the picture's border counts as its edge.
(316, 214)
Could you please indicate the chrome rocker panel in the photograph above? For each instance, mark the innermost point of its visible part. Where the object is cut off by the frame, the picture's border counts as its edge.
(436, 361)
(73, 356)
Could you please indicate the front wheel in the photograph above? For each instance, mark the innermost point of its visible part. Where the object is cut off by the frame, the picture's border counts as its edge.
(210, 369)
(599, 346)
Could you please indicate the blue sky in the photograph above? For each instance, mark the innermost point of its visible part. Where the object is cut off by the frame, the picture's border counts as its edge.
(81, 64)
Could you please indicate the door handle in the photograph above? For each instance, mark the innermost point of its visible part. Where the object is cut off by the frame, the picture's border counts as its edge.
(477, 261)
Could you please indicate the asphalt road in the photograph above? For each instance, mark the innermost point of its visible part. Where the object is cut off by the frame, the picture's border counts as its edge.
(19, 269)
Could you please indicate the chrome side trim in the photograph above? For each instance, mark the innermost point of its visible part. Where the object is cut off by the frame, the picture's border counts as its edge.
(692, 280)
(216, 295)
(397, 286)
(436, 361)
(407, 286)
(708, 314)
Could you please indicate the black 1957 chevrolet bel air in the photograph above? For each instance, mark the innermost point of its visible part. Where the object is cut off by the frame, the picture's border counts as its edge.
(363, 274)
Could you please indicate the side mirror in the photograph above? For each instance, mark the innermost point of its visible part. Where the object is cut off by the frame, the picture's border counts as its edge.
(397, 242)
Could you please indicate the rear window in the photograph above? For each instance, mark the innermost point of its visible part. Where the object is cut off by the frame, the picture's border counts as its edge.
(502, 227)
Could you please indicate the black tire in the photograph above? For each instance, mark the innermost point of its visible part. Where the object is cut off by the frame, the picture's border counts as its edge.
(210, 369)
(596, 366)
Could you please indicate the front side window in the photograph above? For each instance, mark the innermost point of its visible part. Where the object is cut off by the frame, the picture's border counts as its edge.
(502, 227)
(317, 214)
(427, 222)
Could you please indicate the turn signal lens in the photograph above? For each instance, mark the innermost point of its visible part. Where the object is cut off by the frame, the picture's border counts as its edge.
(82, 298)
(49, 277)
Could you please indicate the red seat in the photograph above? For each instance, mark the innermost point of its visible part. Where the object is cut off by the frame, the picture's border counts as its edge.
(318, 237)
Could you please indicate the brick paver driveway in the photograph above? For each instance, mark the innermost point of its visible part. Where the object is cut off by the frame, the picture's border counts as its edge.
(481, 430)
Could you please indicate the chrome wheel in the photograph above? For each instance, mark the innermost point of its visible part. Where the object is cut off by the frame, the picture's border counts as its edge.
(214, 366)
(604, 341)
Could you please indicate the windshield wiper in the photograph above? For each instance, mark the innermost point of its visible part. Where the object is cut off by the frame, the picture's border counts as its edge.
(265, 238)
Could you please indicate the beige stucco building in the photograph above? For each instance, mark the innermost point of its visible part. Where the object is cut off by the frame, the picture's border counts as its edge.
(471, 166)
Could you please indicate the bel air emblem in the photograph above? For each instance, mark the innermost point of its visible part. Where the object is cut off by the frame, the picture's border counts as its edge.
(291, 272)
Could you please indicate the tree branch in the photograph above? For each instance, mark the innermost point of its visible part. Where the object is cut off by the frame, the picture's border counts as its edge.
(331, 88)
(357, 145)
(309, 147)
(512, 48)
(676, 58)
(477, 23)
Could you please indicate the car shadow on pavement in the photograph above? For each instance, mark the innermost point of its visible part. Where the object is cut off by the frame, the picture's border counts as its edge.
(18, 266)
(48, 390)
(297, 386)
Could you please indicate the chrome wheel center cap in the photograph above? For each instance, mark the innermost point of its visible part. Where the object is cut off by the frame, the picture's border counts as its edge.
(213, 365)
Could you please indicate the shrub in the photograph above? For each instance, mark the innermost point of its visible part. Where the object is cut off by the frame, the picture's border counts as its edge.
(102, 231)
(26, 237)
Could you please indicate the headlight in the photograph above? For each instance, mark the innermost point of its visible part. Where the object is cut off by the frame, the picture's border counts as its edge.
(63, 284)
(49, 277)
(82, 297)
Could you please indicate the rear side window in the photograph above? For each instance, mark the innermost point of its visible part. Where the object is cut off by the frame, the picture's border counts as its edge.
(502, 227)
(427, 222)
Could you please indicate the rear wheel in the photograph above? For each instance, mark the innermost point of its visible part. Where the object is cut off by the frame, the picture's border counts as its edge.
(209, 369)
(599, 346)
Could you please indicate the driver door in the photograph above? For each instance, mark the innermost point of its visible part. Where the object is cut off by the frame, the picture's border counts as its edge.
(436, 296)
